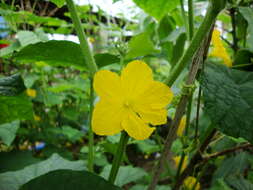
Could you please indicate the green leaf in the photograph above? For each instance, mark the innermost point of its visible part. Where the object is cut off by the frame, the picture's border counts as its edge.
(12, 85)
(15, 107)
(55, 53)
(10, 49)
(166, 26)
(15, 179)
(69, 180)
(72, 134)
(157, 8)
(27, 37)
(228, 100)
(247, 13)
(125, 175)
(103, 59)
(8, 132)
(59, 3)
(140, 45)
(239, 183)
(178, 49)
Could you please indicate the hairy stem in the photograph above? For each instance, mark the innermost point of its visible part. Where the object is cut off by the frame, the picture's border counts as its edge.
(190, 19)
(118, 157)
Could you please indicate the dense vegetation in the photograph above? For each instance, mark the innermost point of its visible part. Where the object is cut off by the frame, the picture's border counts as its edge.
(162, 100)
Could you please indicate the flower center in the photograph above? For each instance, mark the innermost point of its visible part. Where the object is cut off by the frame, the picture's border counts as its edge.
(127, 104)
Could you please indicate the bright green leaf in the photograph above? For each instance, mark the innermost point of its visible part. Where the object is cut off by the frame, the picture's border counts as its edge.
(68, 179)
(15, 179)
(228, 100)
(157, 8)
(140, 45)
(55, 53)
(8, 132)
(59, 3)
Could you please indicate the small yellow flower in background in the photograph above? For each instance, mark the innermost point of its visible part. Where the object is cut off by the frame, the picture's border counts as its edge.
(177, 161)
(181, 127)
(219, 49)
(37, 118)
(31, 92)
(129, 102)
(190, 182)
(91, 40)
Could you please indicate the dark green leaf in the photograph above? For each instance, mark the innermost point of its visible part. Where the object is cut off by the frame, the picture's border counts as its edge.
(12, 85)
(247, 13)
(228, 100)
(69, 180)
(55, 53)
(14, 180)
(166, 26)
(140, 45)
(8, 132)
(104, 59)
(239, 183)
(157, 8)
(15, 107)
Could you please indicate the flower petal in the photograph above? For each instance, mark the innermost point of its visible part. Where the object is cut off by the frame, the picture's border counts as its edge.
(136, 128)
(152, 103)
(136, 78)
(107, 118)
(107, 85)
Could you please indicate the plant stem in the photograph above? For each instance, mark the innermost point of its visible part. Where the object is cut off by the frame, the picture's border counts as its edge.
(233, 22)
(190, 19)
(194, 45)
(89, 59)
(91, 135)
(90, 62)
(183, 14)
(118, 156)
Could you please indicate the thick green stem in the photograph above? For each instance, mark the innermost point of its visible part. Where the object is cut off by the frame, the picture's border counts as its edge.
(118, 156)
(194, 45)
(91, 135)
(190, 18)
(183, 14)
(89, 59)
(90, 62)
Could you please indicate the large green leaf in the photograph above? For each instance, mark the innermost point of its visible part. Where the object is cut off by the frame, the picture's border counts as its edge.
(247, 13)
(103, 59)
(15, 107)
(228, 100)
(8, 132)
(125, 175)
(140, 45)
(15, 179)
(157, 8)
(55, 53)
(12, 85)
(69, 180)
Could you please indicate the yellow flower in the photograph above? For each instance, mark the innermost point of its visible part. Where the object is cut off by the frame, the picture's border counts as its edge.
(181, 127)
(177, 160)
(218, 49)
(190, 182)
(31, 92)
(129, 102)
(37, 118)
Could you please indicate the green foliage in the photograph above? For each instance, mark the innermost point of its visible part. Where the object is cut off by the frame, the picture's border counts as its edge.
(140, 45)
(158, 8)
(8, 132)
(15, 107)
(69, 179)
(104, 59)
(15, 179)
(228, 101)
(59, 3)
(54, 53)
(247, 13)
(178, 49)
(12, 85)
(126, 174)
